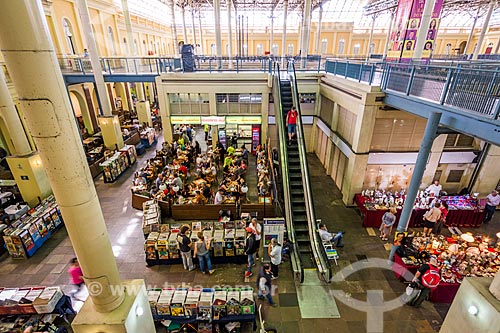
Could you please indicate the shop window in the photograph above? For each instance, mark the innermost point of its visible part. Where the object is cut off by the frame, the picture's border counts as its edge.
(274, 49)
(356, 49)
(307, 98)
(455, 176)
(260, 49)
(341, 46)
(324, 43)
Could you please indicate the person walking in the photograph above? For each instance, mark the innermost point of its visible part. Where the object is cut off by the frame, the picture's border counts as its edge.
(430, 218)
(264, 284)
(388, 220)
(201, 251)
(185, 248)
(426, 278)
(250, 247)
(291, 121)
(76, 278)
(492, 201)
(274, 252)
(257, 230)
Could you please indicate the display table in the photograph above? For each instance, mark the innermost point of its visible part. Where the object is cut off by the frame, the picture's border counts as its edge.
(15, 212)
(250, 318)
(444, 293)
(456, 217)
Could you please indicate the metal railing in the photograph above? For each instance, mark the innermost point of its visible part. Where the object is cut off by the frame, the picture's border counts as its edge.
(465, 87)
(318, 249)
(295, 258)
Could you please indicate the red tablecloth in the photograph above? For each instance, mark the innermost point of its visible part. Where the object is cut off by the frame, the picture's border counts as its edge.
(455, 218)
(444, 293)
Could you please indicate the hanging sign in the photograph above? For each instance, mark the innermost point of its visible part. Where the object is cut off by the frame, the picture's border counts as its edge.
(185, 120)
(213, 120)
(244, 120)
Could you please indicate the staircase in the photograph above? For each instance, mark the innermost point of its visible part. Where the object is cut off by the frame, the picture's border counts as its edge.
(297, 199)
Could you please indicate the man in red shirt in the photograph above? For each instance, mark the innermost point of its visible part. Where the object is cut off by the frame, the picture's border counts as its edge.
(291, 121)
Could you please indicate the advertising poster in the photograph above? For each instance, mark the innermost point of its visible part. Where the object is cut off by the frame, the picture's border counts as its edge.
(399, 29)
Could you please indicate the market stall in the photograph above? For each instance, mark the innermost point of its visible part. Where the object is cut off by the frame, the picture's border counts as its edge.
(115, 165)
(463, 211)
(459, 257)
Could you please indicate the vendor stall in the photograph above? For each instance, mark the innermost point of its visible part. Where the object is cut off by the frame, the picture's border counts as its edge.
(459, 257)
(463, 211)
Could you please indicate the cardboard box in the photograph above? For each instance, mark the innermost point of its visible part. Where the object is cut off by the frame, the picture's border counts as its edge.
(163, 303)
(47, 301)
(177, 304)
(153, 295)
(191, 303)
(219, 305)
(247, 303)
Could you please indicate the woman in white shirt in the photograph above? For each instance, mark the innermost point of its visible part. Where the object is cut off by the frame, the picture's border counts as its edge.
(274, 252)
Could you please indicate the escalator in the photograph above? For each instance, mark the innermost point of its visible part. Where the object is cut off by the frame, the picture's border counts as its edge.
(297, 200)
(309, 252)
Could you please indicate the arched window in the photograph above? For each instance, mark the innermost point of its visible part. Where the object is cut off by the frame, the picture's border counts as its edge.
(290, 49)
(371, 49)
(68, 34)
(136, 49)
(356, 49)
(213, 49)
(341, 46)
(144, 47)
(324, 43)
(111, 41)
(447, 49)
(260, 49)
(274, 49)
(245, 49)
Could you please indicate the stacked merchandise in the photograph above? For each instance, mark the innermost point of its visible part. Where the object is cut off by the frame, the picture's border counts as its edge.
(191, 303)
(153, 296)
(148, 137)
(177, 304)
(115, 166)
(162, 246)
(150, 246)
(220, 300)
(129, 150)
(29, 300)
(233, 302)
(247, 304)
(163, 304)
(151, 217)
(28, 233)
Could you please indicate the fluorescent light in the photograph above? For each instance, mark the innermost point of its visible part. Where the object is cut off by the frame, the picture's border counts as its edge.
(473, 310)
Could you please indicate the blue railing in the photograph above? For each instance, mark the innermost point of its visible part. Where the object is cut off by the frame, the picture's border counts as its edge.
(466, 87)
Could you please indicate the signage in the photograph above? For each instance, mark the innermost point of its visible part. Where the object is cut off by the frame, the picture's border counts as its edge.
(242, 120)
(213, 120)
(185, 119)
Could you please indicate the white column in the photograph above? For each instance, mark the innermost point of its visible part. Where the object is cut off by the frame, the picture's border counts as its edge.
(94, 58)
(388, 37)
(33, 66)
(368, 51)
(201, 35)
(174, 27)
(230, 32)
(283, 37)
(184, 28)
(193, 25)
(272, 31)
(218, 36)
(11, 118)
(483, 31)
(422, 30)
(318, 30)
(306, 28)
(128, 27)
(471, 33)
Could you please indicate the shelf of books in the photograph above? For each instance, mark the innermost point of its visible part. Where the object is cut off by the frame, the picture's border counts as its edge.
(227, 238)
(202, 310)
(148, 137)
(28, 233)
(115, 166)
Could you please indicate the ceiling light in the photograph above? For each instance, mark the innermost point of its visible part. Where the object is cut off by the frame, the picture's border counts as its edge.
(473, 310)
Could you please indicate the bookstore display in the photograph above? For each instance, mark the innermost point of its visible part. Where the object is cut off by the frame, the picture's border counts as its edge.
(148, 137)
(202, 310)
(38, 307)
(161, 247)
(459, 256)
(463, 211)
(94, 151)
(131, 153)
(115, 165)
(28, 233)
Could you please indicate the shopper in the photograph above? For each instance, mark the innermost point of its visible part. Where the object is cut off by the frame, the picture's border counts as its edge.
(250, 247)
(426, 278)
(291, 121)
(434, 189)
(206, 129)
(388, 220)
(331, 237)
(264, 284)
(287, 249)
(185, 248)
(492, 201)
(274, 252)
(439, 224)
(76, 278)
(201, 251)
(430, 218)
(398, 241)
(257, 230)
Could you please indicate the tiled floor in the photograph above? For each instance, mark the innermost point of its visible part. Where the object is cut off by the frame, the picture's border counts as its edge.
(49, 265)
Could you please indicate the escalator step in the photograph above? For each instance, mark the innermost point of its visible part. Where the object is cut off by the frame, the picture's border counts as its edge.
(296, 184)
(301, 229)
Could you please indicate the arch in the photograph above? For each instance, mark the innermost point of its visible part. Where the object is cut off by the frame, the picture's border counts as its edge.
(341, 46)
(324, 45)
(95, 101)
(120, 93)
(81, 109)
(68, 35)
(461, 47)
(111, 38)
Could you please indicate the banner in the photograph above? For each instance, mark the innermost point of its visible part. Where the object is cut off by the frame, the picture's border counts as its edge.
(399, 29)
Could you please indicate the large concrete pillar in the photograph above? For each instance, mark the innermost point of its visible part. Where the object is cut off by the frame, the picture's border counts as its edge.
(422, 30)
(283, 37)
(433, 162)
(306, 28)
(128, 27)
(418, 171)
(318, 30)
(218, 35)
(33, 66)
(483, 31)
(11, 118)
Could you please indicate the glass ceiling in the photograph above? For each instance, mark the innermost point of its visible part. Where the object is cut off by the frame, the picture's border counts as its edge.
(456, 14)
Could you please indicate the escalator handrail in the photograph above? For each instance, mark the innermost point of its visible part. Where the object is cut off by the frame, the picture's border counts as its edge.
(295, 258)
(319, 252)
